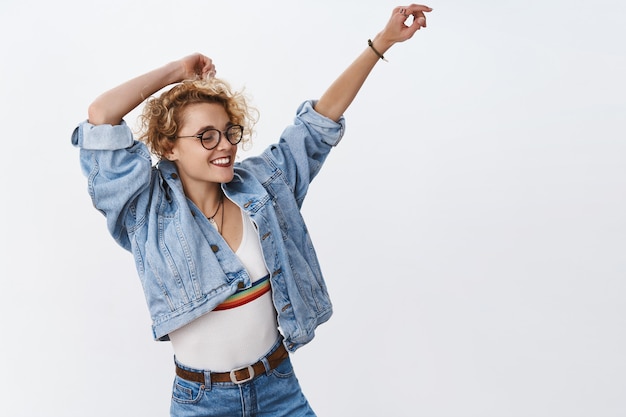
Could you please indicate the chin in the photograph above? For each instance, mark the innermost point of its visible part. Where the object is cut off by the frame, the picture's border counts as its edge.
(226, 178)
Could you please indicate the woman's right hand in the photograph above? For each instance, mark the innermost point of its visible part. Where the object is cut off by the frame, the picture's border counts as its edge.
(196, 66)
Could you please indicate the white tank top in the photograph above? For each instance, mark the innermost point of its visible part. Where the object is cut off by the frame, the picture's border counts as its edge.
(239, 331)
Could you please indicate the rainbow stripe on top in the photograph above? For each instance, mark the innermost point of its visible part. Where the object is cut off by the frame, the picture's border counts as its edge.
(247, 295)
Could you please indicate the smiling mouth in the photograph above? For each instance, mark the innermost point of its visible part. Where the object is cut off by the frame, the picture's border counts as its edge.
(221, 162)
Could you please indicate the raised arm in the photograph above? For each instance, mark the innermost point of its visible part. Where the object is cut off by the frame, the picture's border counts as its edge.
(111, 106)
(336, 100)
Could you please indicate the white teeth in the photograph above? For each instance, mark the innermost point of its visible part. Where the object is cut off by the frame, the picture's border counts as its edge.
(221, 161)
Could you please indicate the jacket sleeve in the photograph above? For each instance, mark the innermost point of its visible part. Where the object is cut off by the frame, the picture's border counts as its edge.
(118, 170)
(303, 148)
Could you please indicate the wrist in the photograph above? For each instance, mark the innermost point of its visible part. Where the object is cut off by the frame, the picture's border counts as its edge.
(175, 72)
(171, 73)
(381, 44)
(375, 51)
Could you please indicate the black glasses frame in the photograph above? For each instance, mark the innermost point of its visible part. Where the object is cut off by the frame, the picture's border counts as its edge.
(219, 137)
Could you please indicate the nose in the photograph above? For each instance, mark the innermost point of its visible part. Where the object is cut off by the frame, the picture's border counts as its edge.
(224, 144)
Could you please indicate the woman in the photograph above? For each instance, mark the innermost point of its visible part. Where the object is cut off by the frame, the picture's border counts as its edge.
(227, 267)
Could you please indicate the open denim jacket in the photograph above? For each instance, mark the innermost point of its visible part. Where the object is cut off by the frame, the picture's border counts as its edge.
(186, 268)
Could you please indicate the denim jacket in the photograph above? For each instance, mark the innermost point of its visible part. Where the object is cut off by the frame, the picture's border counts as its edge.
(186, 268)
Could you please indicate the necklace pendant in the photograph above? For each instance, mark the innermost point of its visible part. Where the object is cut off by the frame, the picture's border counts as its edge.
(213, 223)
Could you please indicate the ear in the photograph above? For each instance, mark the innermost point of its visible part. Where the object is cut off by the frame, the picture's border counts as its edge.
(171, 154)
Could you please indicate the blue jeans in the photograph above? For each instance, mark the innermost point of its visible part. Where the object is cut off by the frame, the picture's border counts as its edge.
(272, 394)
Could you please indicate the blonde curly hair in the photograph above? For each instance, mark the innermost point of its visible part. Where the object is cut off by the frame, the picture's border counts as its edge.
(161, 116)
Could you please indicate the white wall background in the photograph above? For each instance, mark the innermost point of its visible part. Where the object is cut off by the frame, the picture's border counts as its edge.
(471, 226)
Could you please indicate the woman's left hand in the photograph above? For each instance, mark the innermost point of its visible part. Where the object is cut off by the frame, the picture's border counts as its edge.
(397, 30)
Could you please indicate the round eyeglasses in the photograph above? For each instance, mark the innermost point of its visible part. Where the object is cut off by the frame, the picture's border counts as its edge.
(210, 138)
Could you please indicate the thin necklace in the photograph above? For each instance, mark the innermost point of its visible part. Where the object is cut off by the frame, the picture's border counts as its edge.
(212, 218)
(219, 229)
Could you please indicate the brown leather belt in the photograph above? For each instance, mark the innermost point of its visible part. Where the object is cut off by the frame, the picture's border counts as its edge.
(238, 376)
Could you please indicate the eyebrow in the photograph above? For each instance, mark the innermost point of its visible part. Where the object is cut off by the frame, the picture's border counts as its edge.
(205, 128)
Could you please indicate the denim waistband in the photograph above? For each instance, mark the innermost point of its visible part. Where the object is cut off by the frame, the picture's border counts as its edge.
(236, 376)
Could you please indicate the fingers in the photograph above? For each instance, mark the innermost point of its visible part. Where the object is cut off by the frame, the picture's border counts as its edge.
(419, 19)
(404, 22)
(204, 67)
(208, 71)
(413, 8)
(417, 11)
(199, 67)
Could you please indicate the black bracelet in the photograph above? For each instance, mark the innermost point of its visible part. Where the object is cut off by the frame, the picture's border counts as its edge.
(371, 45)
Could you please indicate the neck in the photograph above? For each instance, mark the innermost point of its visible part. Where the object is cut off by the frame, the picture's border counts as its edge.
(207, 199)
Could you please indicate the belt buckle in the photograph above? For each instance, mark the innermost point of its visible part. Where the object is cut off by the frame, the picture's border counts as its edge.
(234, 379)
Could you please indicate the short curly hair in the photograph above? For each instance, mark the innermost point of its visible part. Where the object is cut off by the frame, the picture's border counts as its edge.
(162, 116)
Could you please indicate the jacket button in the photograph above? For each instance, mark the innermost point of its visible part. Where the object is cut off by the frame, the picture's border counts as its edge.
(175, 175)
(215, 248)
(241, 285)
(247, 204)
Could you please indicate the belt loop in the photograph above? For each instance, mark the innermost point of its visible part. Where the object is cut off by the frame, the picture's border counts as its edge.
(207, 380)
(266, 364)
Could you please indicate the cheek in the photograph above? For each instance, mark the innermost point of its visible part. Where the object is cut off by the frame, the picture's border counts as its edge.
(190, 151)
